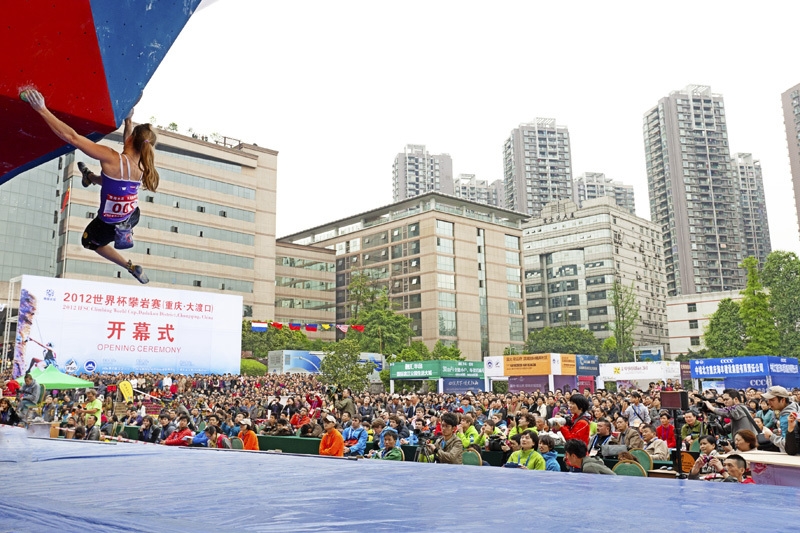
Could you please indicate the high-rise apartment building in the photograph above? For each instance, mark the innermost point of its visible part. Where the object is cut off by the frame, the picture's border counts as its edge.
(209, 227)
(694, 197)
(453, 266)
(481, 191)
(416, 171)
(591, 185)
(537, 166)
(755, 226)
(790, 100)
(571, 257)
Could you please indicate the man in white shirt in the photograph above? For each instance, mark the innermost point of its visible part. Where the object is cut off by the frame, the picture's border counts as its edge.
(636, 413)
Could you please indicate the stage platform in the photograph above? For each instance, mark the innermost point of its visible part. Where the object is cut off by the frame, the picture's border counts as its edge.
(54, 485)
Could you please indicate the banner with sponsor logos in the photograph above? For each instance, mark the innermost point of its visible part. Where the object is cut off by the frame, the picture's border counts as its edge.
(527, 365)
(760, 365)
(657, 370)
(85, 326)
(494, 365)
(460, 386)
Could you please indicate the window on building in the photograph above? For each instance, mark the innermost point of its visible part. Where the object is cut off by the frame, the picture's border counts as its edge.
(693, 324)
(444, 228)
(514, 308)
(445, 263)
(512, 242)
(516, 330)
(446, 281)
(513, 290)
(447, 324)
(691, 308)
(695, 341)
(447, 299)
(444, 246)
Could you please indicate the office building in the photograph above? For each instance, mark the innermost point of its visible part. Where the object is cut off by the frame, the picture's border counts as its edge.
(451, 265)
(754, 222)
(571, 258)
(481, 191)
(694, 197)
(305, 287)
(416, 171)
(790, 101)
(209, 227)
(537, 166)
(591, 185)
(688, 316)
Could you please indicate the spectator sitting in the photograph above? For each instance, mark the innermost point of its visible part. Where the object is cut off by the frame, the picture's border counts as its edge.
(332, 442)
(744, 440)
(656, 447)
(300, 418)
(148, 433)
(269, 424)
(247, 434)
(378, 427)
(735, 467)
(182, 435)
(527, 456)
(166, 429)
(707, 464)
(92, 431)
(575, 456)
(8, 415)
(526, 422)
(311, 430)
(466, 432)
(666, 431)
(627, 435)
(355, 438)
(547, 450)
(390, 452)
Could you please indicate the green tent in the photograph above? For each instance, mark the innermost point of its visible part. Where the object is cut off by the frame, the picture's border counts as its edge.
(52, 378)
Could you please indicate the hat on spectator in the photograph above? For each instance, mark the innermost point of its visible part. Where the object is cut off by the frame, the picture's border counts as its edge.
(246, 422)
(395, 395)
(330, 418)
(776, 391)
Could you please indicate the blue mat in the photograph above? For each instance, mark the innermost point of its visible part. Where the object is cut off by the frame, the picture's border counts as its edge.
(75, 486)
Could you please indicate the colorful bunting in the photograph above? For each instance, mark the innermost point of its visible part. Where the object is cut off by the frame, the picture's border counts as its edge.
(342, 327)
(294, 326)
(311, 327)
(259, 326)
(326, 327)
(358, 327)
(297, 326)
(276, 325)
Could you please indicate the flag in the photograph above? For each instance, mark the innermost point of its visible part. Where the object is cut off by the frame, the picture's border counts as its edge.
(342, 327)
(326, 327)
(294, 326)
(258, 326)
(358, 327)
(311, 327)
(65, 199)
(276, 325)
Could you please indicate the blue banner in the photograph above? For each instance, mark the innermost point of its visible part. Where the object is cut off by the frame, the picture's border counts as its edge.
(462, 385)
(757, 382)
(587, 365)
(734, 366)
(782, 365)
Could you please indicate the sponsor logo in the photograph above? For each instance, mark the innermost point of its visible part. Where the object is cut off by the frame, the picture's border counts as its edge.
(50, 295)
(726, 361)
(71, 367)
(489, 364)
(758, 382)
(89, 366)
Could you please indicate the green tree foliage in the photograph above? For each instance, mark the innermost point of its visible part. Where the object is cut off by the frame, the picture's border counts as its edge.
(385, 331)
(417, 351)
(724, 334)
(781, 275)
(511, 350)
(441, 351)
(608, 351)
(251, 367)
(626, 317)
(341, 366)
(500, 387)
(260, 343)
(563, 339)
(761, 333)
(363, 292)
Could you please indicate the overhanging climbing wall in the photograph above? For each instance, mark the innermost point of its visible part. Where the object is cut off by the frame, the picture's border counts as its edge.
(90, 59)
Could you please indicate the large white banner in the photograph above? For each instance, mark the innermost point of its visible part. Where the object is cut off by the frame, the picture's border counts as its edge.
(86, 326)
(658, 370)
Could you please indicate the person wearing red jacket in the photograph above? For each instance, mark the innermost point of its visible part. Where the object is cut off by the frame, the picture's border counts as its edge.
(181, 436)
(578, 427)
(300, 418)
(666, 431)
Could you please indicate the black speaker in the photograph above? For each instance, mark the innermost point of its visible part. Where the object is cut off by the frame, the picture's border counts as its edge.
(675, 400)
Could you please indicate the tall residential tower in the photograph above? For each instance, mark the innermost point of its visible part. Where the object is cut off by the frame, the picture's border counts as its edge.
(693, 191)
(591, 185)
(537, 166)
(755, 227)
(415, 172)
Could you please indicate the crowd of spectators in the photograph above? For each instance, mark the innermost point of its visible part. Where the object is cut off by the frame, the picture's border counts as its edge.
(527, 428)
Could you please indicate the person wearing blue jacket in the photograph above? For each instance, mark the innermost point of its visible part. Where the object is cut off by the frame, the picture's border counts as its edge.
(355, 438)
(547, 445)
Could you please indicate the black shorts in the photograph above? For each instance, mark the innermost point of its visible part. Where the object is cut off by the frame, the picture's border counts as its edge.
(99, 233)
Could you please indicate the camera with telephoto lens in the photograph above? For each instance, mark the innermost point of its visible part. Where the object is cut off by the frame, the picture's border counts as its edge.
(423, 436)
(495, 443)
(557, 421)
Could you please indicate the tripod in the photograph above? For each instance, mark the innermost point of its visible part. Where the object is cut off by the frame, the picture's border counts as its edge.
(422, 455)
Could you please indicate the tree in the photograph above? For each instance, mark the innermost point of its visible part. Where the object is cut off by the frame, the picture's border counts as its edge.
(781, 275)
(761, 334)
(260, 343)
(251, 367)
(442, 351)
(563, 339)
(173, 126)
(511, 350)
(626, 317)
(363, 293)
(417, 351)
(724, 334)
(609, 351)
(341, 366)
(385, 331)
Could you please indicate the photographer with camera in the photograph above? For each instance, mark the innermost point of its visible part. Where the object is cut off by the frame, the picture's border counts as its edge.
(780, 401)
(578, 426)
(447, 449)
(344, 403)
(736, 411)
(708, 465)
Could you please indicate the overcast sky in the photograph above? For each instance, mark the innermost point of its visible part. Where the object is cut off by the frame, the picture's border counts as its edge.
(338, 88)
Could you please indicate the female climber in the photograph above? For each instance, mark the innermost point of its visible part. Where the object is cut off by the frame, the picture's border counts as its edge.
(120, 179)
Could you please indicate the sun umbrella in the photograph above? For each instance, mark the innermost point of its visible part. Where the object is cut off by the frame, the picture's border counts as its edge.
(53, 378)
